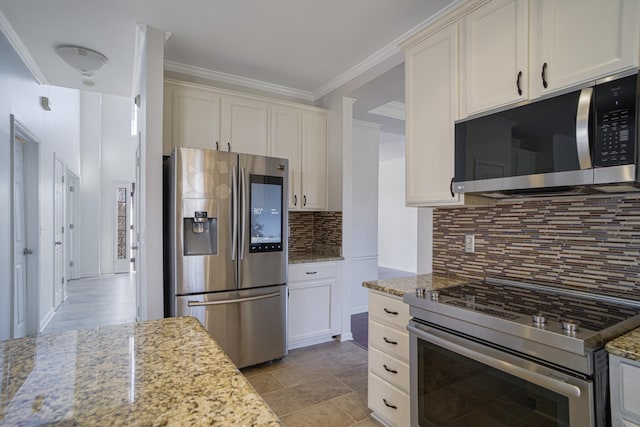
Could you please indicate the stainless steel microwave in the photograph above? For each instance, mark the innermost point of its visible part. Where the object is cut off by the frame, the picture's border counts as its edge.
(581, 141)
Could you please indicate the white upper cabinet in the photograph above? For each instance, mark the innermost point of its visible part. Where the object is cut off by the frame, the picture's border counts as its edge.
(493, 55)
(431, 80)
(314, 161)
(196, 118)
(244, 125)
(574, 41)
(285, 143)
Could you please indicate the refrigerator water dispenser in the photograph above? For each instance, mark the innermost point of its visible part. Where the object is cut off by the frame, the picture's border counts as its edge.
(200, 234)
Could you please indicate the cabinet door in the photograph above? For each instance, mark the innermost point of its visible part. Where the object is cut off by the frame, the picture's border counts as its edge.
(579, 40)
(314, 160)
(244, 125)
(285, 143)
(493, 55)
(196, 118)
(431, 79)
(310, 310)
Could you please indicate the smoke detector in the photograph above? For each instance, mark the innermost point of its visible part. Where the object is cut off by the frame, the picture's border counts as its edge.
(86, 61)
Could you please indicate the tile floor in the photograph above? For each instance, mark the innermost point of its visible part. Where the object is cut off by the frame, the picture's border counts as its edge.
(104, 300)
(320, 385)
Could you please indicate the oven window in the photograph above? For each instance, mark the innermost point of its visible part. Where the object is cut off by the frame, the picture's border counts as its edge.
(454, 390)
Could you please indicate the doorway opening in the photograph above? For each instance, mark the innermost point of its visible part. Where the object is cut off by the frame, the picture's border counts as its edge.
(25, 252)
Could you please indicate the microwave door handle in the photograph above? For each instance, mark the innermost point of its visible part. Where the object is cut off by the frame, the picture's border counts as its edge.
(234, 213)
(243, 210)
(582, 128)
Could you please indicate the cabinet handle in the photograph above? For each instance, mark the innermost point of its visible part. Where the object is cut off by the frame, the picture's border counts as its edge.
(518, 83)
(389, 404)
(217, 147)
(393, 371)
(228, 146)
(451, 187)
(388, 341)
(386, 310)
(295, 200)
(304, 198)
(312, 272)
(544, 75)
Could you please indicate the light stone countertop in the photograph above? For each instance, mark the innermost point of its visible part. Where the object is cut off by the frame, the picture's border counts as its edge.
(300, 259)
(627, 345)
(401, 285)
(160, 372)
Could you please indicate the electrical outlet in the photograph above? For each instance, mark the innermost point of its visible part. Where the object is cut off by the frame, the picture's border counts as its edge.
(469, 243)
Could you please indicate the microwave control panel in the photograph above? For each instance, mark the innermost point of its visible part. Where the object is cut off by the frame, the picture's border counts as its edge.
(615, 103)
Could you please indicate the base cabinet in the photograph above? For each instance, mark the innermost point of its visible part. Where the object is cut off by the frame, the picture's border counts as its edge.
(624, 377)
(313, 304)
(388, 385)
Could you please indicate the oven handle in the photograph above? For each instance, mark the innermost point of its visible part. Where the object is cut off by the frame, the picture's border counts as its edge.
(533, 377)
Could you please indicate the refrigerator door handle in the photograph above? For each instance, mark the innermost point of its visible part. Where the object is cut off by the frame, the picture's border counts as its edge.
(243, 210)
(231, 301)
(234, 213)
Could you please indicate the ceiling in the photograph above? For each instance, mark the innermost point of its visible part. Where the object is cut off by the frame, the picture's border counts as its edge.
(305, 45)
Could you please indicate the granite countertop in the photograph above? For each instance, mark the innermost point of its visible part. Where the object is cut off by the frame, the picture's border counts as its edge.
(160, 372)
(627, 345)
(401, 285)
(313, 257)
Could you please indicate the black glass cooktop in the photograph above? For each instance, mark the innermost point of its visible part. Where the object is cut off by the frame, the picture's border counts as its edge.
(511, 302)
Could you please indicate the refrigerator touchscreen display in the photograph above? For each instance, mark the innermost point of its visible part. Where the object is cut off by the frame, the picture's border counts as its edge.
(266, 213)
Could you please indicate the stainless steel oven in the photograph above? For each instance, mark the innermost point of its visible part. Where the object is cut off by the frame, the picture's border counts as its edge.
(460, 381)
(503, 353)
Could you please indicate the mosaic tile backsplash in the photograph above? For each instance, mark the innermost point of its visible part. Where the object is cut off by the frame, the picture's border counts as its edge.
(311, 232)
(587, 242)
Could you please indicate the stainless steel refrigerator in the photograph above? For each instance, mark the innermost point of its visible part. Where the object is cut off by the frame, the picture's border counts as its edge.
(227, 225)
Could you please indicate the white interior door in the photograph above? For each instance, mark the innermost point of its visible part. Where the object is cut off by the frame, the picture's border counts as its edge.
(121, 229)
(20, 244)
(58, 231)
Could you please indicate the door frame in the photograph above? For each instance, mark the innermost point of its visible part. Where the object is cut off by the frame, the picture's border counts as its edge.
(73, 228)
(63, 220)
(32, 224)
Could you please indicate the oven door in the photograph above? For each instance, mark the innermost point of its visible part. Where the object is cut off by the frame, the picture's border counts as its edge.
(459, 382)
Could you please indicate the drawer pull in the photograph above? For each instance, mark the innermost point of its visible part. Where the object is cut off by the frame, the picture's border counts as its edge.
(386, 310)
(388, 341)
(389, 404)
(312, 272)
(393, 371)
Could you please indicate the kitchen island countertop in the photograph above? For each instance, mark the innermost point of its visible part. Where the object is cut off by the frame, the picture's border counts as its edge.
(160, 372)
(401, 285)
(626, 346)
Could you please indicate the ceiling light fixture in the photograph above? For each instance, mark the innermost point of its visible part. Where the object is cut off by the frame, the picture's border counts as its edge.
(86, 61)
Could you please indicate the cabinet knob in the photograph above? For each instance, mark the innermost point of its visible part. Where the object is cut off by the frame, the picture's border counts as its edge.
(217, 147)
(386, 310)
(388, 341)
(228, 146)
(388, 369)
(295, 200)
(389, 404)
(544, 75)
(518, 81)
(451, 187)
(304, 200)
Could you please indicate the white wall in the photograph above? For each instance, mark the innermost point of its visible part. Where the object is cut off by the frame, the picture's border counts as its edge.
(58, 132)
(397, 223)
(89, 224)
(364, 211)
(117, 163)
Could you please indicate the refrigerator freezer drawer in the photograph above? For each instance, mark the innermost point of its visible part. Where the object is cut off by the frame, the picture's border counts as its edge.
(248, 324)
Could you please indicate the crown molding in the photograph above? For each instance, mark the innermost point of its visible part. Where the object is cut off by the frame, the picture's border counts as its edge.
(383, 54)
(366, 125)
(205, 73)
(21, 50)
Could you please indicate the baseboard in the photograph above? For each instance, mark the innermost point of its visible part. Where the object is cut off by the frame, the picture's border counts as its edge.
(46, 319)
(346, 337)
(87, 275)
(360, 309)
(309, 341)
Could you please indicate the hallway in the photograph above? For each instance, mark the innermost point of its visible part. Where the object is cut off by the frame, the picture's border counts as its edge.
(96, 301)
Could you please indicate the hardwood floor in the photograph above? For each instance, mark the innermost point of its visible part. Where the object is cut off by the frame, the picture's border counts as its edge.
(96, 301)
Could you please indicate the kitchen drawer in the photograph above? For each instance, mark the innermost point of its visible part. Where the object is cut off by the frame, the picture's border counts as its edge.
(388, 309)
(311, 271)
(388, 402)
(389, 368)
(389, 340)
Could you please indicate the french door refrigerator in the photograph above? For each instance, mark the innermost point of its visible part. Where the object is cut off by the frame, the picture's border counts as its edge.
(227, 217)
